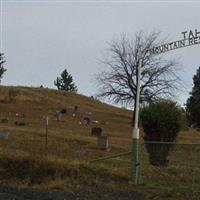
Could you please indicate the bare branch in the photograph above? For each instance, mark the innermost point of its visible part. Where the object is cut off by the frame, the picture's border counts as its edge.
(118, 83)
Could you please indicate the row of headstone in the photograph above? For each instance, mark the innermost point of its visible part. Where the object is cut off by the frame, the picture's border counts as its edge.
(15, 114)
(65, 110)
(20, 123)
(88, 120)
(17, 123)
(59, 112)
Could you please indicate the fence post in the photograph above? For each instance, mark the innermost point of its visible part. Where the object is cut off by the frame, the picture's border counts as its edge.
(46, 133)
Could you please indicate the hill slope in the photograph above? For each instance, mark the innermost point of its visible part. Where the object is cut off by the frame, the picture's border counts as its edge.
(36, 104)
(69, 142)
(25, 161)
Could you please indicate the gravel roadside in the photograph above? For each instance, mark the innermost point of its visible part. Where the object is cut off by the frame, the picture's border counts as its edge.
(96, 194)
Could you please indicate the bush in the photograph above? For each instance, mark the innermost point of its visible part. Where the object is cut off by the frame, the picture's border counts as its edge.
(161, 122)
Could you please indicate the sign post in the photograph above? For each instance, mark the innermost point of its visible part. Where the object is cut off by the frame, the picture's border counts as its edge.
(135, 136)
(189, 38)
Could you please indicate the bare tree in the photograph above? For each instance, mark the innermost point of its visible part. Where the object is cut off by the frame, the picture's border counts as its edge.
(2, 69)
(118, 83)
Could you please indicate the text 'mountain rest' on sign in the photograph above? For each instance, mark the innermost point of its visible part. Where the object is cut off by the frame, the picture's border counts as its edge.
(189, 38)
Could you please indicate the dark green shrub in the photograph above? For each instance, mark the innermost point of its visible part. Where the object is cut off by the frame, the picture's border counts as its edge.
(161, 122)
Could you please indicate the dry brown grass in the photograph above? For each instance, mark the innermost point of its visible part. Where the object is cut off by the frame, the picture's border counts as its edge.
(68, 141)
(24, 160)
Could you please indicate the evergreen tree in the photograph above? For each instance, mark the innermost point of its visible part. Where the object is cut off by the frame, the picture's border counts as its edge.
(193, 102)
(65, 82)
(2, 69)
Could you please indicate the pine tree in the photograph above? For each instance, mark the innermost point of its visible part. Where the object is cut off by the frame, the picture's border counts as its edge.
(2, 69)
(65, 82)
(193, 102)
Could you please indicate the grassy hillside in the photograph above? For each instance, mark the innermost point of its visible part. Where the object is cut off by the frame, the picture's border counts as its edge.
(69, 141)
(70, 133)
(24, 161)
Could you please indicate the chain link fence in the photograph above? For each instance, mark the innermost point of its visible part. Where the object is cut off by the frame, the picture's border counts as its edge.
(170, 165)
(162, 164)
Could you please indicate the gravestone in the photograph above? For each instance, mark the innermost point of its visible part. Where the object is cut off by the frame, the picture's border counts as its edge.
(102, 142)
(63, 111)
(20, 123)
(20, 115)
(75, 108)
(96, 131)
(86, 120)
(3, 135)
(58, 116)
(4, 120)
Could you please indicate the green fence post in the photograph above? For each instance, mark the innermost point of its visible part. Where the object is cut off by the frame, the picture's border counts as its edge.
(135, 160)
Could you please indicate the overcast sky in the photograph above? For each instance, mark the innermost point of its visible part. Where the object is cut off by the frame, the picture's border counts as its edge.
(41, 38)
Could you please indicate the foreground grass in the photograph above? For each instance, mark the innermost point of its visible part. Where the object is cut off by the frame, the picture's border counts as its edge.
(25, 162)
